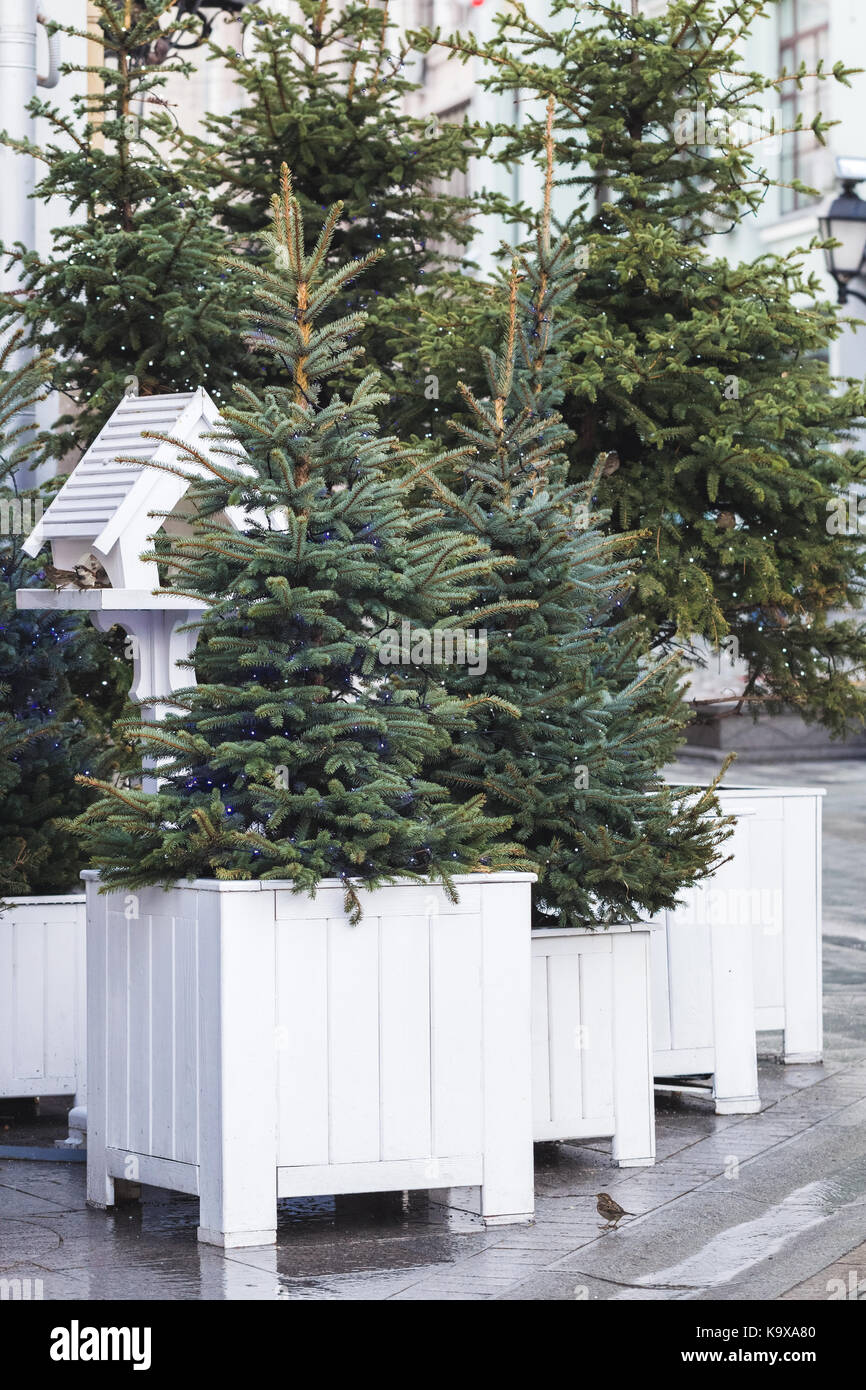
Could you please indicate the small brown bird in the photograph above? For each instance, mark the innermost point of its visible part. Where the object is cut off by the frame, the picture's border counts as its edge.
(610, 1210)
(91, 576)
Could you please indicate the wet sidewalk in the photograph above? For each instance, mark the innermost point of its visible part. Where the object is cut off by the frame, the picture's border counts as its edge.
(766, 1206)
(736, 1207)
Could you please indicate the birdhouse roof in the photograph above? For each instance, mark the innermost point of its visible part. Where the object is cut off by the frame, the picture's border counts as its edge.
(102, 495)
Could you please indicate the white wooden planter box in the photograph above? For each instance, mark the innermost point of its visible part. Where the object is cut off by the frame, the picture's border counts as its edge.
(246, 1043)
(592, 1039)
(744, 951)
(783, 826)
(42, 996)
(703, 1005)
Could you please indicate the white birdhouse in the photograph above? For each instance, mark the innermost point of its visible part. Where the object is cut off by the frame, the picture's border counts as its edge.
(103, 510)
(101, 520)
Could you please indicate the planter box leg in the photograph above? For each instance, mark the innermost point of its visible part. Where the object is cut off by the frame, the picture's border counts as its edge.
(100, 1187)
(735, 1083)
(237, 1048)
(634, 1140)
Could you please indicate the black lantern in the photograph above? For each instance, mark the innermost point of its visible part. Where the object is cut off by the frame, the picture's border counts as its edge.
(182, 36)
(205, 12)
(843, 219)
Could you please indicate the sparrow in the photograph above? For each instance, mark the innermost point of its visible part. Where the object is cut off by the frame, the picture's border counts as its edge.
(90, 576)
(610, 1210)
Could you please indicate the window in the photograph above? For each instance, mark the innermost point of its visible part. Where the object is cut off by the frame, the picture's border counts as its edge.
(803, 38)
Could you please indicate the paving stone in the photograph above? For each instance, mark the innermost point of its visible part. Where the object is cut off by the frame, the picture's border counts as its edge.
(510, 1259)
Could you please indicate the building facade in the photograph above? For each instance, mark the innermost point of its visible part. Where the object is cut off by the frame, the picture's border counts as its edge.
(796, 32)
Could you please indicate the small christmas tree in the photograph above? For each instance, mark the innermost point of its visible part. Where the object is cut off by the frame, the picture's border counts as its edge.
(304, 751)
(131, 296)
(705, 384)
(61, 687)
(572, 749)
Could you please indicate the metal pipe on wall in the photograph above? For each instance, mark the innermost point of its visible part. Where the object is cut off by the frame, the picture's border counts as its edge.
(17, 171)
(19, 80)
(52, 77)
(18, 84)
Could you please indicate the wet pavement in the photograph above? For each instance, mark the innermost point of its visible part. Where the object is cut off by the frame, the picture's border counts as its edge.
(766, 1206)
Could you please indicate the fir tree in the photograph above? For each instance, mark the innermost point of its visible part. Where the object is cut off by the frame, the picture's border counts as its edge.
(326, 93)
(18, 860)
(578, 770)
(703, 384)
(61, 685)
(300, 754)
(131, 288)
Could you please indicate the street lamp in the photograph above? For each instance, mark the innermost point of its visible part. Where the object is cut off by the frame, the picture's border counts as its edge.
(182, 35)
(843, 219)
(206, 12)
